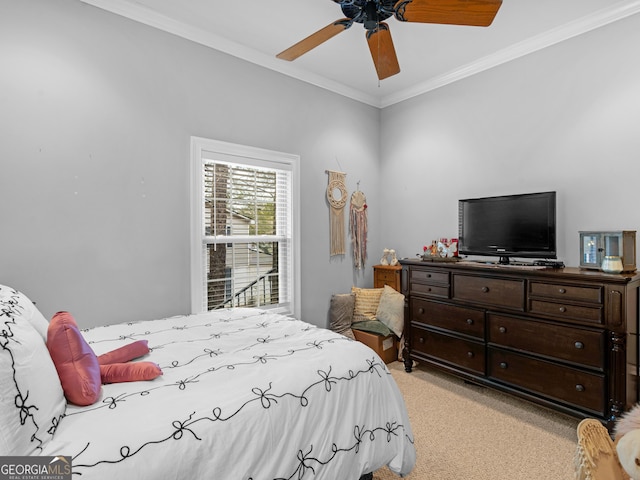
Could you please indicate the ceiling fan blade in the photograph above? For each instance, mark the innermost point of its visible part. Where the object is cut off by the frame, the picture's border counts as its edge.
(315, 39)
(383, 51)
(478, 13)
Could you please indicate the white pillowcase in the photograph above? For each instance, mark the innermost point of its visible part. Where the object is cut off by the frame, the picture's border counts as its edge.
(31, 399)
(391, 310)
(18, 301)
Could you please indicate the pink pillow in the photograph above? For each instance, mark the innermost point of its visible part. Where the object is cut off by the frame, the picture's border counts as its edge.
(125, 353)
(129, 372)
(74, 359)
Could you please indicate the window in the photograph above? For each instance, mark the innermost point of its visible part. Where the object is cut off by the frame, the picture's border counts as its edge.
(244, 227)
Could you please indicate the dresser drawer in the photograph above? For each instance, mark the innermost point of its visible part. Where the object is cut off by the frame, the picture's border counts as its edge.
(468, 321)
(439, 291)
(464, 354)
(429, 276)
(489, 291)
(590, 294)
(386, 276)
(580, 346)
(565, 384)
(567, 312)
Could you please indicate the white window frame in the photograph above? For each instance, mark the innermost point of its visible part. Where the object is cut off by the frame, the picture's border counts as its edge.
(203, 149)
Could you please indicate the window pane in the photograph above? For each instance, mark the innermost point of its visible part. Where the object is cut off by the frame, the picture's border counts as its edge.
(239, 200)
(242, 275)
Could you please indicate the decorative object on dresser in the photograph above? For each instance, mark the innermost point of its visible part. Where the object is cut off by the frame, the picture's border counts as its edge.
(448, 249)
(387, 275)
(563, 338)
(612, 264)
(595, 246)
(443, 250)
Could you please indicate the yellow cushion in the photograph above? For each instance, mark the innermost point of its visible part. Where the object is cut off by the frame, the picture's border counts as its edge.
(366, 304)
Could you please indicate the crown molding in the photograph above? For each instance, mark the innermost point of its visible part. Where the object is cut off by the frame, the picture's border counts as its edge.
(150, 18)
(138, 13)
(549, 38)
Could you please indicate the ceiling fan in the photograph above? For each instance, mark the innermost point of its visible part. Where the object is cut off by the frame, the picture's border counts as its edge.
(371, 14)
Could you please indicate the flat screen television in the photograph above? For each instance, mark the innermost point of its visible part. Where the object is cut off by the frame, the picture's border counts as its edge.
(508, 226)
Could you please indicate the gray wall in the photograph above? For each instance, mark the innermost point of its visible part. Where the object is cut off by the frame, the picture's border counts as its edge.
(566, 118)
(96, 114)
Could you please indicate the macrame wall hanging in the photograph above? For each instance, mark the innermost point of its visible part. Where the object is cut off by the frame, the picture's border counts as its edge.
(358, 227)
(337, 196)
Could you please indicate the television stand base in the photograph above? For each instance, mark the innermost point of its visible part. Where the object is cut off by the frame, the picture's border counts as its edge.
(512, 262)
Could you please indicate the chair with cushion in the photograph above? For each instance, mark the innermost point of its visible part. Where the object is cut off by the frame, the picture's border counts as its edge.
(374, 316)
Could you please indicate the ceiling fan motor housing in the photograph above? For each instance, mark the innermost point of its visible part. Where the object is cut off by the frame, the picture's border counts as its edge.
(368, 12)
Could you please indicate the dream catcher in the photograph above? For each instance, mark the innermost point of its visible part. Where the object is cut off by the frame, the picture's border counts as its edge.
(358, 227)
(337, 197)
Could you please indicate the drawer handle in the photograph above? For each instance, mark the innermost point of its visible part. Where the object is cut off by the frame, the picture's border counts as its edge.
(469, 321)
(420, 310)
(503, 365)
(563, 309)
(428, 275)
(562, 290)
(428, 289)
(470, 354)
(579, 388)
(485, 289)
(579, 345)
(502, 329)
(421, 340)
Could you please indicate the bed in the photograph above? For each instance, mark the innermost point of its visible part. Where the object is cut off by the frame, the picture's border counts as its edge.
(244, 394)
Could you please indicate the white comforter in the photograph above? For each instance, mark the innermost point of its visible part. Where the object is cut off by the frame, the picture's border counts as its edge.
(245, 395)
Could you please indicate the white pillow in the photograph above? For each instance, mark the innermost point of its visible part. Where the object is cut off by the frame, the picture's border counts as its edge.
(391, 310)
(26, 308)
(31, 399)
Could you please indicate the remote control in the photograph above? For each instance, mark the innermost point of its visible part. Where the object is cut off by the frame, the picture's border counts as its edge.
(549, 263)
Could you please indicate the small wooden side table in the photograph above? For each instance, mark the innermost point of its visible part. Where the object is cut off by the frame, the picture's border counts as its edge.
(387, 275)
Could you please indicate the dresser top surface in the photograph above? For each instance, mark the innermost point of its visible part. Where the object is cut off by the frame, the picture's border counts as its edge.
(526, 270)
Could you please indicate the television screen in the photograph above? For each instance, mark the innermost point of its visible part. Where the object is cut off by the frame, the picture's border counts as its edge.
(508, 226)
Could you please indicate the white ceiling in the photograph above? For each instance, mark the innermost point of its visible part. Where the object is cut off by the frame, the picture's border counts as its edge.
(430, 55)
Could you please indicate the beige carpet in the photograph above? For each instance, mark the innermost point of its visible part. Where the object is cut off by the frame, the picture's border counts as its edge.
(466, 432)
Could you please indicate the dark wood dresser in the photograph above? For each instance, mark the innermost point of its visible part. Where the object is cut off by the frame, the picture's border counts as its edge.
(563, 338)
